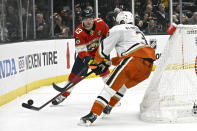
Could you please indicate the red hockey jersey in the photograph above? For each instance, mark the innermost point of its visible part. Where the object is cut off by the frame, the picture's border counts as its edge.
(87, 42)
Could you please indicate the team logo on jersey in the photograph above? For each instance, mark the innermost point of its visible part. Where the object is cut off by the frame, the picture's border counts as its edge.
(92, 46)
(99, 32)
(77, 41)
(153, 43)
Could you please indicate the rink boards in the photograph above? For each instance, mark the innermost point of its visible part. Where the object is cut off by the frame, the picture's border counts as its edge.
(26, 66)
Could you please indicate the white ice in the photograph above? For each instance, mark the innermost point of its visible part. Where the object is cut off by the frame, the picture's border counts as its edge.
(13, 117)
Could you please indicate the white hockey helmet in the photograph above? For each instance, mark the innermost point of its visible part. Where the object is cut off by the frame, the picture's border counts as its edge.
(125, 16)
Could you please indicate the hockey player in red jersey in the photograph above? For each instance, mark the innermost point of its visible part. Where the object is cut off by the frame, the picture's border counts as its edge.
(133, 64)
(87, 35)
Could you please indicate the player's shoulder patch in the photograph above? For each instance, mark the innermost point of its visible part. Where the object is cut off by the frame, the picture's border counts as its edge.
(77, 40)
(98, 20)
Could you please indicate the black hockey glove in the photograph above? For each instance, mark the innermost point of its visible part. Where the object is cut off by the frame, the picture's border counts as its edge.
(101, 68)
(98, 68)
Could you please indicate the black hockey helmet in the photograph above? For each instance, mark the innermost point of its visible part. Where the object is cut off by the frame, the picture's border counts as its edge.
(87, 13)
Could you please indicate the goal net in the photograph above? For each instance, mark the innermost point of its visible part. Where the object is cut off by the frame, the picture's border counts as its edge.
(172, 92)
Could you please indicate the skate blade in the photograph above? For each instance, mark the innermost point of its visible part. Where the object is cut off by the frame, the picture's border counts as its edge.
(57, 105)
(118, 104)
(82, 123)
(104, 116)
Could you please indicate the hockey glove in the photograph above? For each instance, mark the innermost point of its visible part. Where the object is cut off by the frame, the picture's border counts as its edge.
(98, 68)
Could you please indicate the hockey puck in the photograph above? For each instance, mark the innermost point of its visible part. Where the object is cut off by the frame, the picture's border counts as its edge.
(30, 102)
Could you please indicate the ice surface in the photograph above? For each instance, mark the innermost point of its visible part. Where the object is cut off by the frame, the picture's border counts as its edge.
(13, 117)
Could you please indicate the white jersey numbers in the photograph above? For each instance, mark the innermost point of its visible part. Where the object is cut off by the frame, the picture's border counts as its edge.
(125, 38)
(142, 37)
(78, 31)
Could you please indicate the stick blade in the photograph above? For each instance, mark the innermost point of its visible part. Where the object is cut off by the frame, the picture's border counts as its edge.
(27, 106)
(57, 88)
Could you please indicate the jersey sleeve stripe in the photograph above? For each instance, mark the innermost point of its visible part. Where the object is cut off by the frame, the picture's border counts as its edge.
(80, 48)
(102, 48)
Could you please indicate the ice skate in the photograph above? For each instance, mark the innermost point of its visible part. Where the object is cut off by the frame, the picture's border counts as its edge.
(58, 100)
(88, 119)
(61, 98)
(106, 111)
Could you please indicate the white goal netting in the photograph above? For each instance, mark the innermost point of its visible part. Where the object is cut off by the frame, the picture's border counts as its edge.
(172, 92)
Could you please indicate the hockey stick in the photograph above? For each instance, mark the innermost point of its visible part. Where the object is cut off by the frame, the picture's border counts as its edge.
(57, 88)
(29, 106)
(62, 89)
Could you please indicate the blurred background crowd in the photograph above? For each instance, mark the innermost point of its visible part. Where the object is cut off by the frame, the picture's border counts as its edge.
(51, 19)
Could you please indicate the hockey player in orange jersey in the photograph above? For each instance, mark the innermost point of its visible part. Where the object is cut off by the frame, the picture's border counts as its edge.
(133, 64)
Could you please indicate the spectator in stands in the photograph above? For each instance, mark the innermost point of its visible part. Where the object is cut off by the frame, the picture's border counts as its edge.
(175, 19)
(137, 18)
(78, 18)
(3, 32)
(195, 3)
(177, 9)
(12, 23)
(149, 11)
(188, 13)
(193, 20)
(139, 24)
(111, 17)
(143, 24)
(152, 28)
(185, 19)
(41, 27)
(122, 7)
(27, 18)
(3, 29)
(67, 19)
(149, 2)
(60, 29)
(176, 12)
(165, 2)
(117, 11)
(163, 17)
(144, 4)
